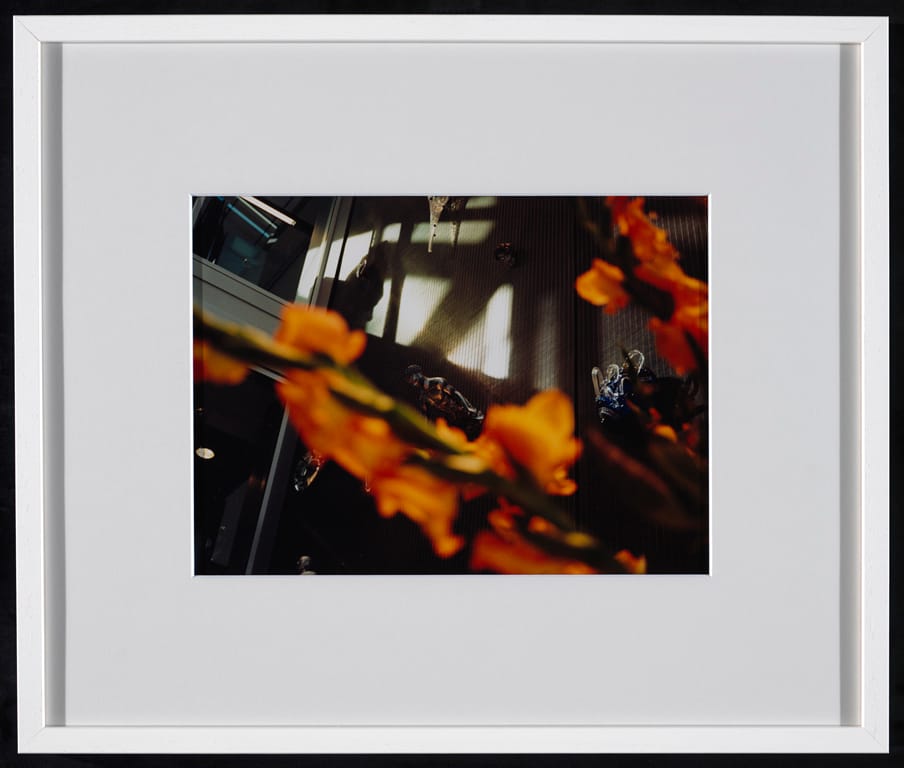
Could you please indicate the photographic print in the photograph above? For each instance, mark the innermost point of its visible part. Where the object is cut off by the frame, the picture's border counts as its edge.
(445, 384)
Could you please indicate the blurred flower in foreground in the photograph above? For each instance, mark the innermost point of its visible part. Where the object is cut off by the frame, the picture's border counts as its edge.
(215, 367)
(538, 436)
(603, 286)
(491, 552)
(313, 330)
(506, 550)
(632, 564)
(672, 340)
(690, 317)
(430, 502)
(666, 431)
(362, 444)
(407, 464)
(651, 243)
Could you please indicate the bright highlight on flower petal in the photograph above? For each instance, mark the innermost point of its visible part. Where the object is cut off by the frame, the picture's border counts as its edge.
(505, 549)
(632, 564)
(685, 290)
(313, 330)
(664, 430)
(538, 436)
(603, 286)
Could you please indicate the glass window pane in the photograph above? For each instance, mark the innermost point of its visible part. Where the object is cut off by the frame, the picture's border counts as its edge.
(263, 240)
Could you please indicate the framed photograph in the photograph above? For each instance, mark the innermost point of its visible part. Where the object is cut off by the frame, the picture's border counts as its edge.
(541, 343)
(480, 321)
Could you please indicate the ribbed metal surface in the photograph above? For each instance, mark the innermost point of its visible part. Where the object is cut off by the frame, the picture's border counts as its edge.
(500, 333)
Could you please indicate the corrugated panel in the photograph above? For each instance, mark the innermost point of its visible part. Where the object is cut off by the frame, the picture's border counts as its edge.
(500, 333)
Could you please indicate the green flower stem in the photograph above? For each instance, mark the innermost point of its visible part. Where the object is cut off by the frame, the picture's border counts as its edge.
(254, 347)
(248, 345)
(525, 496)
(594, 554)
(588, 549)
(407, 423)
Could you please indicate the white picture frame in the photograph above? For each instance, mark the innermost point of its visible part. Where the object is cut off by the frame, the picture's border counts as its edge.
(37, 392)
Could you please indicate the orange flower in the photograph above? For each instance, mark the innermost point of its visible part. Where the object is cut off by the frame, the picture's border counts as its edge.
(452, 435)
(691, 314)
(672, 345)
(366, 447)
(664, 430)
(212, 365)
(512, 554)
(430, 502)
(571, 538)
(603, 286)
(487, 454)
(685, 290)
(363, 445)
(650, 243)
(671, 336)
(658, 257)
(538, 436)
(561, 484)
(632, 564)
(360, 444)
(672, 341)
(695, 320)
(313, 330)
(505, 550)
(503, 518)
(471, 460)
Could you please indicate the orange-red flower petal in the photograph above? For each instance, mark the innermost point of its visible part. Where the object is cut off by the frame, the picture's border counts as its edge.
(673, 345)
(603, 286)
(631, 563)
(212, 365)
(361, 444)
(427, 500)
(538, 436)
(314, 330)
(685, 290)
(650, 243)
(491, 552)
